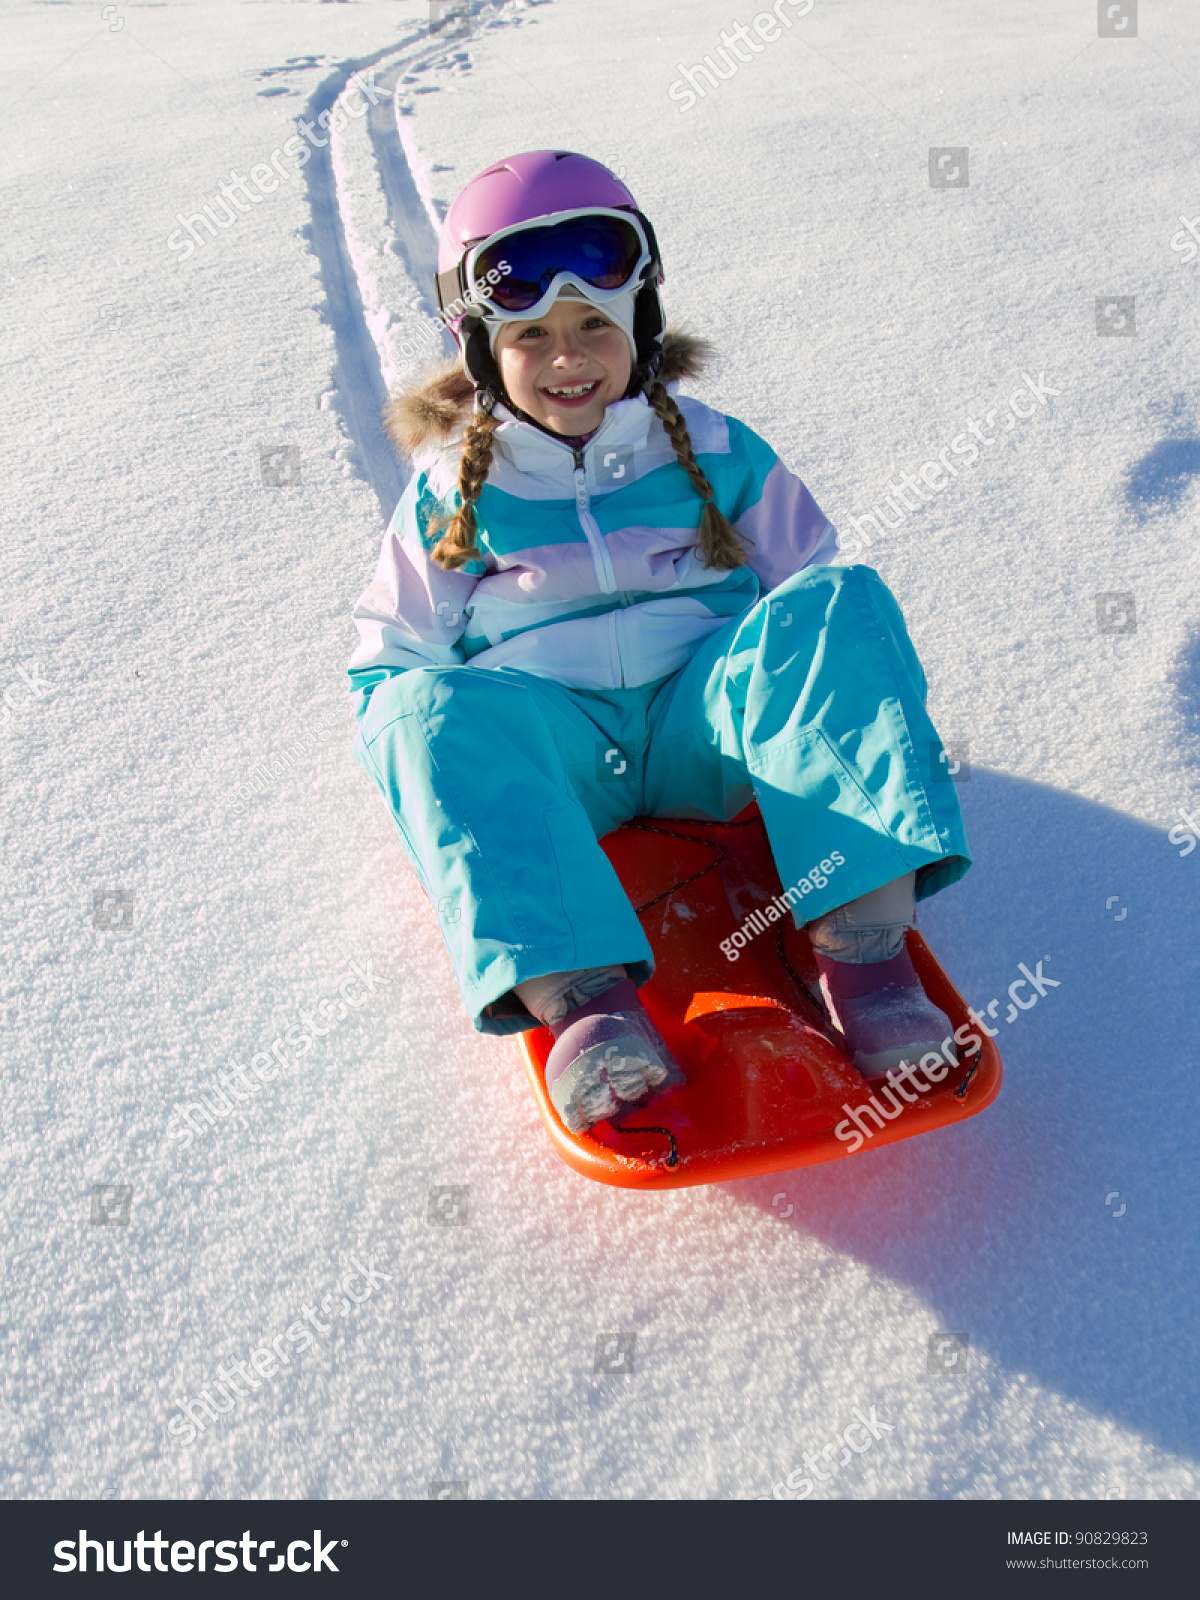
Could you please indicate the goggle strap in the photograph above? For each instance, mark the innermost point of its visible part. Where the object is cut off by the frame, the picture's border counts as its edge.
(654, 270)
(451, 285)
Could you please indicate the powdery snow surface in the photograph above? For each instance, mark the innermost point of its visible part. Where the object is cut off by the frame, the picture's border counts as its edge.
(1014, 1301)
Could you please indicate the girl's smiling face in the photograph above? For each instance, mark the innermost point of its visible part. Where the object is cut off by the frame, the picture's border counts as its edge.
(565, 368)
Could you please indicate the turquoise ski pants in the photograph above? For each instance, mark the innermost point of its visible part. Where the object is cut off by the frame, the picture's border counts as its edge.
(501, 783)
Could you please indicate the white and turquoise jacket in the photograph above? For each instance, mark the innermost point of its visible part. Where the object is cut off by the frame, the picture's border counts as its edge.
(591, 572)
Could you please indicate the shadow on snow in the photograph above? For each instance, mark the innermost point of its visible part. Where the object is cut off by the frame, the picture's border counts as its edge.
(1002, 1225)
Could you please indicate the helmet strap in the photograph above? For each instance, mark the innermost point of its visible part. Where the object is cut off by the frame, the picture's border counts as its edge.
(648, 330)
(479, 363)
(644, 374)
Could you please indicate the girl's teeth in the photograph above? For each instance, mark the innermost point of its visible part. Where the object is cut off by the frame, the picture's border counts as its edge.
(572, 394)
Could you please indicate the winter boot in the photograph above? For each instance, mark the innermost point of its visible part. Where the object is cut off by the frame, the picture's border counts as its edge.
(883, 1012)
(607, 1057)
(871, 989)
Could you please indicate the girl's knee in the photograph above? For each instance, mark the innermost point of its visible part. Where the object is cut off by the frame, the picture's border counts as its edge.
(426, 694)
(817, 597)
(855, 576)
(449, 691)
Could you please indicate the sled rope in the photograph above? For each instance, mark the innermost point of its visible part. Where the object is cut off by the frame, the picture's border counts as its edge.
(722, 854)
(960, 1092)
(673, 1159)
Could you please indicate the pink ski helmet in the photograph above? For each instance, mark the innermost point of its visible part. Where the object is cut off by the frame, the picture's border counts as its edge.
(522, 189)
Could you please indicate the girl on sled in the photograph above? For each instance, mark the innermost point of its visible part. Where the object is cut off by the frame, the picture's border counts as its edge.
(599, 599)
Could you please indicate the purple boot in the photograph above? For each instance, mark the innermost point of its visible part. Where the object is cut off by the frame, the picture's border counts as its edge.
(883, 1012)
(607, 1057)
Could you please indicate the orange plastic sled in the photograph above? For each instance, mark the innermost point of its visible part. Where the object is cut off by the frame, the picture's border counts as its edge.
(766, 1084)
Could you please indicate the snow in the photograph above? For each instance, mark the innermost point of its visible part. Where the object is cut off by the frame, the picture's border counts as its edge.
(185, 624)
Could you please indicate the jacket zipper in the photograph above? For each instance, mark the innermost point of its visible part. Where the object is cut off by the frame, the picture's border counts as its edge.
(591, 528)
(600, 556)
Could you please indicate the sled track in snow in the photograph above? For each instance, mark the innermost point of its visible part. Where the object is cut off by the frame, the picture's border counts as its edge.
(358, 370)
(357, 373)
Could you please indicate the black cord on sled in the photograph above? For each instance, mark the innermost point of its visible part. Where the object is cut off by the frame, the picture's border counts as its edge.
(723, 855)
(673, 833)
(673, 1159)
(960, 1092)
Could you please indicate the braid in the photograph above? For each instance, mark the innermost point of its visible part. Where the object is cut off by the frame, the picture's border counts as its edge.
(457, 545)
(720, 543)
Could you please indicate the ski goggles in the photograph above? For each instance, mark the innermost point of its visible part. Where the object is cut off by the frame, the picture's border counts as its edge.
(516, 274)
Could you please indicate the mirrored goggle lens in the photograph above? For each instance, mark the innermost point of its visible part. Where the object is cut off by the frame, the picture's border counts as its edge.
(601, 251)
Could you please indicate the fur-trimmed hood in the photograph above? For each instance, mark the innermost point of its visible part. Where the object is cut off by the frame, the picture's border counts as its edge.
(425, 416)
